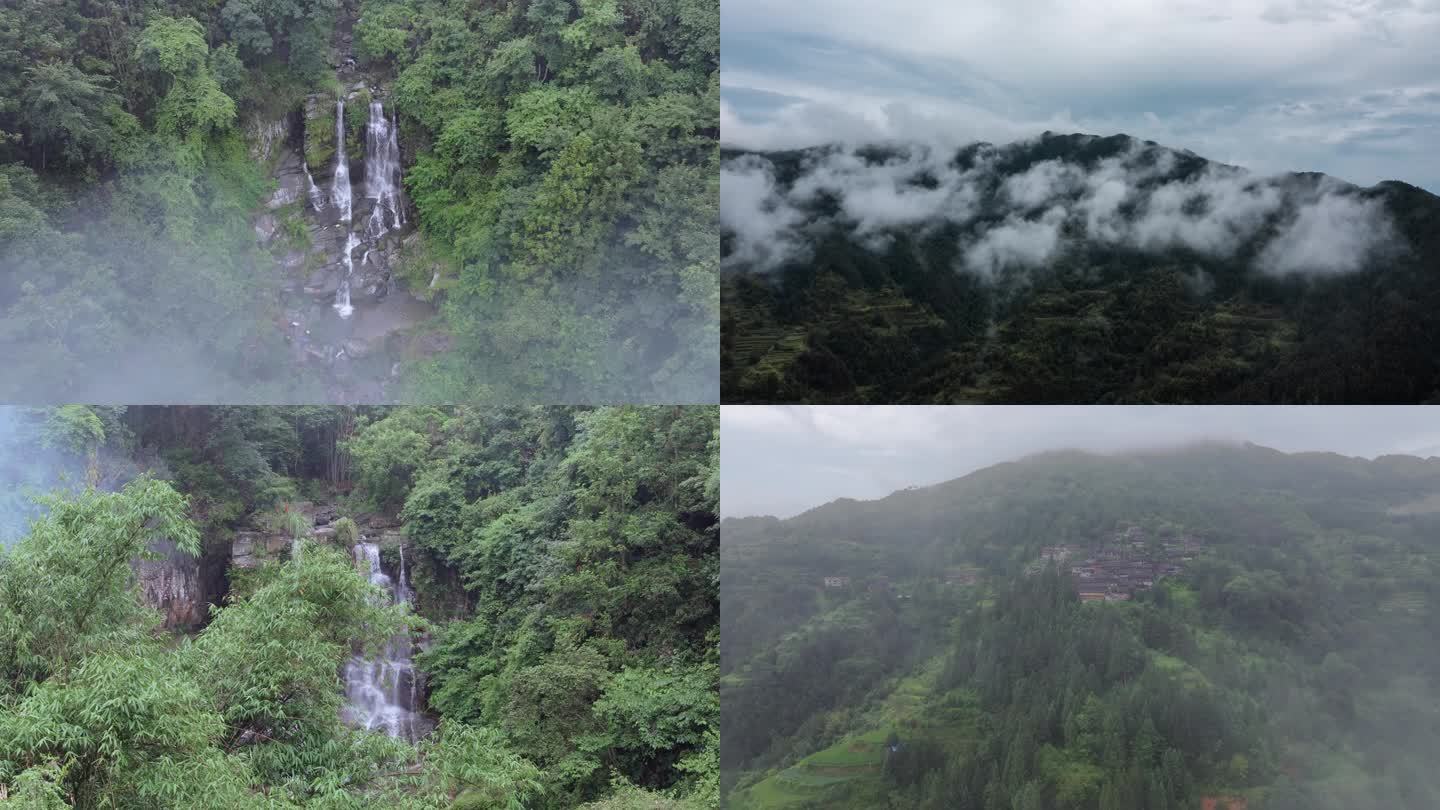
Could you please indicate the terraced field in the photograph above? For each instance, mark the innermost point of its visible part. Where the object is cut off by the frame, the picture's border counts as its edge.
(818, 775)
(1411, 603)
(849, 767)
(766, 351)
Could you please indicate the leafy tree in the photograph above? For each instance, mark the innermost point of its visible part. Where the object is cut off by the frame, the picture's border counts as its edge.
(193, 106)
(68, 112)
(65, 589)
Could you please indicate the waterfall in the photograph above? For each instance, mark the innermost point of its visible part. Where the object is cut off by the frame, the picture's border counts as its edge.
(317, 197)
(382, 172)
(340, 195)
(342, 293)
(382, 694)
(340, 190)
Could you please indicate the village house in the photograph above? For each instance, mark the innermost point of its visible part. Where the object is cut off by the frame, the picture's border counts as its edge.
(1117, 573)
(966, 577)
(837, 582)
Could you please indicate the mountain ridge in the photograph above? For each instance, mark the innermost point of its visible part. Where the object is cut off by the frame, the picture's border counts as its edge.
(1070, 268)
(846, 510)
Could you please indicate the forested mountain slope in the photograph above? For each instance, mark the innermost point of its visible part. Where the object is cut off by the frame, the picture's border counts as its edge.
(173, 195)
(189, 621)
(1070, 268)
(1279, 650)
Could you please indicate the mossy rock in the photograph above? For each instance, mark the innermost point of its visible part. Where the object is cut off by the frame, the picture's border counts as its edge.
(320, 134)
(357, 119)
(292, 228)
(346, 532)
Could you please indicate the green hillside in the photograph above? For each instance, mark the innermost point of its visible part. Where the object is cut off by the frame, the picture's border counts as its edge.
(1287, 660)
(1203, 284)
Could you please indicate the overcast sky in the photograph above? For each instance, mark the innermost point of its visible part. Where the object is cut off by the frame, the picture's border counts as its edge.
(783, 459)
(1347, 87)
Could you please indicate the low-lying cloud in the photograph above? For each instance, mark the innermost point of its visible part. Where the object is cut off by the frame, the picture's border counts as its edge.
(1135, 199)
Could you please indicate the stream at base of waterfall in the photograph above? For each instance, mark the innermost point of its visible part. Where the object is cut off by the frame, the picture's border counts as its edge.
(383, 693)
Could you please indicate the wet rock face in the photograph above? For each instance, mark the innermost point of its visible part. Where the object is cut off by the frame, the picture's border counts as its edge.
(325, 514)
(335, 223)
(266, 135)
(266, 226)
(172, 586)
(291, 183)
(251, 548)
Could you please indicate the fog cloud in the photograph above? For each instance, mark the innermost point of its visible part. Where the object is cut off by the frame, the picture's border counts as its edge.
(33, 464)
(762, 220)
(1134, 199)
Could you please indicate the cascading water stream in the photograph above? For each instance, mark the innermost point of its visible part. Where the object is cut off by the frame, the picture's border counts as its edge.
(340, 189)
(382, 173)
(342, 294)
(382, 694)
(382, 168)
(340, 195)
(317, 197)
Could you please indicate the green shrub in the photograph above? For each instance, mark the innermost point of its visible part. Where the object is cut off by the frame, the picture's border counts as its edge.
(346, 532)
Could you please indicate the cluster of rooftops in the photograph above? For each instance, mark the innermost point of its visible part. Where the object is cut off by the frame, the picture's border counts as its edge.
(1114, 571)
(1129, 563)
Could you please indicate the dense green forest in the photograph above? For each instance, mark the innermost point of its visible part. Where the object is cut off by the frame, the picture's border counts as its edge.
(564, 617)
(1290, 663)
(1070, 269)
(559, 157)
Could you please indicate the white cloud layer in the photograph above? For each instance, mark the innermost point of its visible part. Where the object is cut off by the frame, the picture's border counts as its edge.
(1124, 200)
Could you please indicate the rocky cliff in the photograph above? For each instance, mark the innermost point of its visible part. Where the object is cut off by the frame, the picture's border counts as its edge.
(335, 226)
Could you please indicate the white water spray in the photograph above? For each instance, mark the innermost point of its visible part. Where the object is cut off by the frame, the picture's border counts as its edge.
(342, 293)
(382, 694)
(340, 190)
(317, 197)
(341, 197)
(382, 172)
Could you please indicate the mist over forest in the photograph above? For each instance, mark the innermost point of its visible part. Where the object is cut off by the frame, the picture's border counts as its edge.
(1218, 625)
(1069, 268)
(359, 201)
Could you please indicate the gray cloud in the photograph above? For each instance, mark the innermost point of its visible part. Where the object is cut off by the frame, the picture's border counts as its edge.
(1340, 86)
(782, 460)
